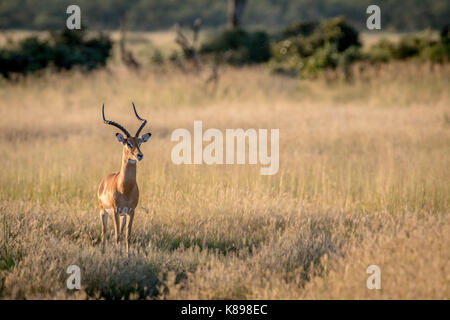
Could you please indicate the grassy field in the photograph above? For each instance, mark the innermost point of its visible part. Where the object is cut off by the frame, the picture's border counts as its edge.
(364, 179)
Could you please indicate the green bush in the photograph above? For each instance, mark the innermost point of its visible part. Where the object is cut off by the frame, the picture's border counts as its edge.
(437, 53)
(313, 35)
(421, 46)
(383, 51)
(62, 51)
(157, 57)
(31, 55)
(286, 58)
(240, 46)
(325, 57)
(313, 47)
(411, 46)
(337, 32)
(307, 49)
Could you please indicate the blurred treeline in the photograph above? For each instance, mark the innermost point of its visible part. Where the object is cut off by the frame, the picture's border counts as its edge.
(306, 48)
(397, 15)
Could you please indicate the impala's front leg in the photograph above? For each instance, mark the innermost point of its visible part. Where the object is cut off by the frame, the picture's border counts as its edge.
(116, 226)
(123, 222)
(129, 225)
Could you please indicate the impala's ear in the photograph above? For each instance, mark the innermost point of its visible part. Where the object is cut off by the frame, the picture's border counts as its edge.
(145, 137)
(120, 137)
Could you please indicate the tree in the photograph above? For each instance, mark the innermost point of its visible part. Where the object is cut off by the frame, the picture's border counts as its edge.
(235, 10)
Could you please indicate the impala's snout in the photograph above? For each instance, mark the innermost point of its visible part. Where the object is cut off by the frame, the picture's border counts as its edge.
(140, 156)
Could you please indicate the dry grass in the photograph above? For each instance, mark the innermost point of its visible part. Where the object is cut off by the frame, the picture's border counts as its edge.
(364, 179)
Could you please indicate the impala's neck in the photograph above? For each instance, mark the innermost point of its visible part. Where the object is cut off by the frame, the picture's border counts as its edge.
(127, 175)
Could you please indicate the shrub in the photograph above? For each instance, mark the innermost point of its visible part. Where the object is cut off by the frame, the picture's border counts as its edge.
(309, 48)
(437, 53)
(31, 55)
(241, 47)
(313, 35)
(157, 57)
(312, 47)
(323, 58)
(419, 46)
(383, 51)
(411, 46)
(63, 51)
(286, 57)
(174, 56)
(338, 32)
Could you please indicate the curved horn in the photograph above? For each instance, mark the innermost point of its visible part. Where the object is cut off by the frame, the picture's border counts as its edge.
(115, 124)
(144, 122)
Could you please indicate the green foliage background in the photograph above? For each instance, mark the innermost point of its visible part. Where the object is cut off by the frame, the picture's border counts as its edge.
(62, 51)
(399, 15)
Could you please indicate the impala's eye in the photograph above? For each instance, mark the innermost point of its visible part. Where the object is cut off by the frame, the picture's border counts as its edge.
(129, 145)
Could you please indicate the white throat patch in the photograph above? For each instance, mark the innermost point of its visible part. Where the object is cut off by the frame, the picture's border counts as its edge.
(131, 161)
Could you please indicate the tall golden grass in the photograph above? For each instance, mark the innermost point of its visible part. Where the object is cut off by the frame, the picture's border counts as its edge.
(364, 179)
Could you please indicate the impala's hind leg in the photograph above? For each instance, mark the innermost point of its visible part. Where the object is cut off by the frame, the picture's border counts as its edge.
(104, 221)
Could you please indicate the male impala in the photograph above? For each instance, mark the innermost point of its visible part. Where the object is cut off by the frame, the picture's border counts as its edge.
(118, 193)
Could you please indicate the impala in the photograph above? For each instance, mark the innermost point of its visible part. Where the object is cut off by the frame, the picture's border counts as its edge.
(118, 193)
